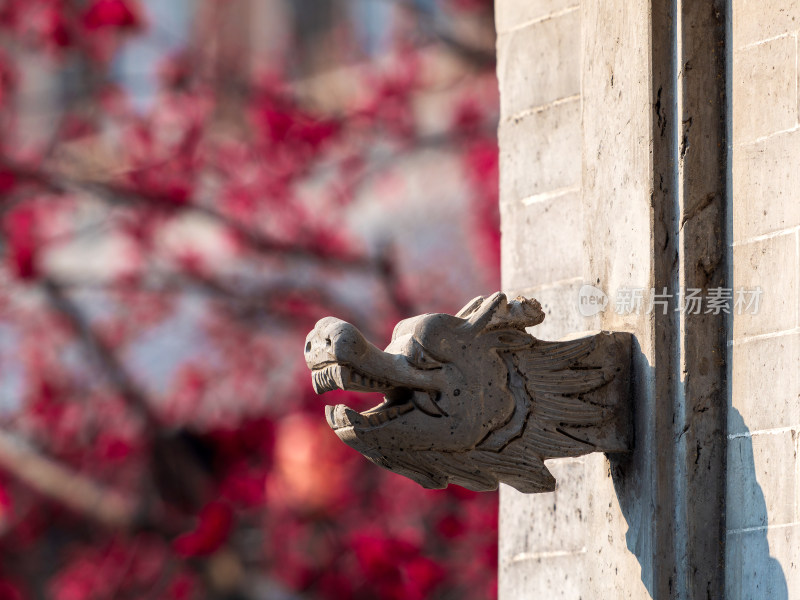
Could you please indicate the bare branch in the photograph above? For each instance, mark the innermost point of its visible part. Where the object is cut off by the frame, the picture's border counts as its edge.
(105, 356)
(481, 57)
(65, 486)
(115, 193)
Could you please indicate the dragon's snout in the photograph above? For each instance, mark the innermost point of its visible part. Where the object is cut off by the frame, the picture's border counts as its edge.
(334, 341)
(341, 358)
(333, 348)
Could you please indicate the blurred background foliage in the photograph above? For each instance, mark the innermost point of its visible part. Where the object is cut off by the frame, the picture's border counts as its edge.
(186, 186)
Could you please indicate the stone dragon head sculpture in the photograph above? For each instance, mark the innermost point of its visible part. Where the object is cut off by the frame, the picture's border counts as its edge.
(473, 399)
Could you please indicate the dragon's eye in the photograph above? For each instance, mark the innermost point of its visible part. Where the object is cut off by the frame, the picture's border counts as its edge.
(418, 357)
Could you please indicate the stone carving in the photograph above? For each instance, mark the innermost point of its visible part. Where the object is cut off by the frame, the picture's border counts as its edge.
(473, 399)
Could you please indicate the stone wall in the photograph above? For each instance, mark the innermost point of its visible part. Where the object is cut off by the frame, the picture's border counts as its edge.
(615, 121)
(575, 205)
(539, 58)
(763, 520)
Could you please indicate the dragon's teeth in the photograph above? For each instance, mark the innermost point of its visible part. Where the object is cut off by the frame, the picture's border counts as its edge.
(339, 375)
(330, 378)
(378, 418)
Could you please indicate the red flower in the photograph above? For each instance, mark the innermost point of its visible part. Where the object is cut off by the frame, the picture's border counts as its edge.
(8, 78)
(396, 567)
(21, 234)
(213, 528)
(450, 526)
(286, 124)
(111, 13)
(422, 576)
(111, 447)
(468, 117)
(182, 587)
(243, 486)
(8, 180)
(481, 165)
(57, 30)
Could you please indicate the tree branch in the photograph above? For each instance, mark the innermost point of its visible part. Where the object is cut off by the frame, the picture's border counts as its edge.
(114, 193)
(105, 356)
(65, 486)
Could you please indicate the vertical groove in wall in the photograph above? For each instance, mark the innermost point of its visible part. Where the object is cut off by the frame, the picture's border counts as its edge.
(665, 125)
(680, 491)
(689, 252)
(701, 393)
(728, 247)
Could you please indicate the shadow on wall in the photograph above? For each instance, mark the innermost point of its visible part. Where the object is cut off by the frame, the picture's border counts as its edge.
(633, 474)
(750, 570)
(751, 573)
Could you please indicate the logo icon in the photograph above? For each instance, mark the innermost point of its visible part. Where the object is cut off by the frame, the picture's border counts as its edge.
(591, 300)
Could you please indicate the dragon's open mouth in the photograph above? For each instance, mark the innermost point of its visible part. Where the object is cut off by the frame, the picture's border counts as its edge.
(334, 376)
(397, 399)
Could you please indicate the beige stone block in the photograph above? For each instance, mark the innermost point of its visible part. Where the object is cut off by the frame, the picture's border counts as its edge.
(542, 536)
(784, 545)
(554, 522)
(756, 366)
(539, 63)
(509, 14)
(756, 20)
(766, 186)
(572, 543)
(542, 242)
(764, 89)
(772, 265)
(541, 151)
(761, 480)
(560, 577)
(762, 564)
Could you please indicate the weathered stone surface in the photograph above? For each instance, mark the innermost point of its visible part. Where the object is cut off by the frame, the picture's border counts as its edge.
(560, 519)
(766, 185)
(526, 229)
(538, 63)
(761, 466)
(533, 150)
(756, 366)
(511, 14)
(772, 265)
(758, 20)
(622, 159)
(783, 564)
(762, 556)
(569, 544)
(750, 571)
(764, 89)
(473, 399)
(657, 211)
(544, 160)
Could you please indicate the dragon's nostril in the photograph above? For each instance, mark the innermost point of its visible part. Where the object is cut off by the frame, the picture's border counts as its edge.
(308, 346)
(328, 342)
